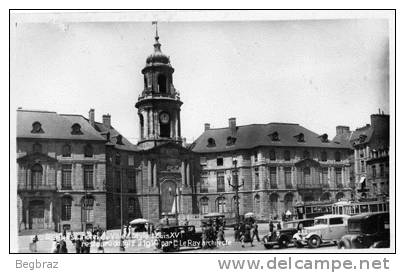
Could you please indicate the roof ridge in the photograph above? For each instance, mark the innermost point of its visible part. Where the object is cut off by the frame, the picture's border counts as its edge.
(37, 111)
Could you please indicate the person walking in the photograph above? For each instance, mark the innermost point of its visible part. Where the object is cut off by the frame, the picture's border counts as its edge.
(55, 246)
(221, 237)
(255, 232)
(78, 244)
(236, 232)
(63, 247)
(33, 245)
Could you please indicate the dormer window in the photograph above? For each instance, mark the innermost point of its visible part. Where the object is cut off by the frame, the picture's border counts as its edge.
(76, 129)
(230, 141)
(119, 140)
(274, 136)
(324, 138)
(300, 137)
(37, 128)
(211, 142)
(362, 138)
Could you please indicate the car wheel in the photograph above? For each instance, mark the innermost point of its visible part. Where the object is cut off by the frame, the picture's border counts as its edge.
(344, 244)
(314, 241)
(297, 244)
(283, 243)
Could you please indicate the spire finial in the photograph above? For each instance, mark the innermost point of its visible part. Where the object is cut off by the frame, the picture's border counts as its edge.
(156, 29)
(157, 44)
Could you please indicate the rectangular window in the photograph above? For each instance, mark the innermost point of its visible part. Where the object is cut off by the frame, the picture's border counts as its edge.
(257, 179)
(66, 177)
(336, 221)
(287, 178)
(273, 178)
(338, 177)
(131, 180)
(131, 161)
(382, 174)
(362, 166)
(374, 171)
(204, 182)
(220, 181)
(220, 161)
(325, 177)
(203, 161)
(88, 177)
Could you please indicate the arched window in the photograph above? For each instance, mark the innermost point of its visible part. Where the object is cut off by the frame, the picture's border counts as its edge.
(307, 176)
(287, 155)
(87, 205)
(162, 84)
(145, 82)
(131, 206)
(141, 125)
(37, 128)
(274, 206)
(339, 196)
(76, 129)
(66, 210)
(288, 202)
(66, 150)
(221, 204)
(211, 142)
(324, 156)
(36, 176)
(325, 196)
(204, 205)
(337, 156)
(272, 155)
(88, 151)
(164, 122)
(256, 205)
(37, 148)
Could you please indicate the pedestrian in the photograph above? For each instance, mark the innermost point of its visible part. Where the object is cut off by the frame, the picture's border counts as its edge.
(278, 226)
(221, 237)
(149, 229)
(236, 233)
(248, 238)
(153, 230)
(55, 246)
(255, 232)
(33, 245)
(63, 247)
(271, 227)
(100, 247)
(126, 231)
(78, 244)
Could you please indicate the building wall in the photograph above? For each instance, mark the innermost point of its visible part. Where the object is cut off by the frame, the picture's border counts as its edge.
(51, 190)
(254, 169)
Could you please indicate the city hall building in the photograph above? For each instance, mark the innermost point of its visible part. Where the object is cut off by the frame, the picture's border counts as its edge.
(76, 173)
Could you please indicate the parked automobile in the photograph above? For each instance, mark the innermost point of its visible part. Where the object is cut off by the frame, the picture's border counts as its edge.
(327, 229)
(367, 230)
(173, 238)
(282, 238)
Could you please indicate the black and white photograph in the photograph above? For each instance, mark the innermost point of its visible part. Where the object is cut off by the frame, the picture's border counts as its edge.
(202, 132)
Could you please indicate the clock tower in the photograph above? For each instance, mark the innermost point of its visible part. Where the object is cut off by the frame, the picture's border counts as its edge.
(159, 104)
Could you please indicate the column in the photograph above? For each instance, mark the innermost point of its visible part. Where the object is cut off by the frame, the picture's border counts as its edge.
(178, 123)
(277, 176)
(154, 174)
(188, 174)
(150, 117)
(50, 214)
(183, 173)
(282, 177)
(155, 124)
(294, 176)
(150, 174)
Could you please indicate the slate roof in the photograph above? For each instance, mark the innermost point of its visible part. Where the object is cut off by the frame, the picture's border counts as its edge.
(54, 126)
(367, 131)
(126, 144)
(255, 135)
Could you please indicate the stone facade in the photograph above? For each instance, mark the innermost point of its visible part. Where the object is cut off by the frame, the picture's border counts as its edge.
(51, 174)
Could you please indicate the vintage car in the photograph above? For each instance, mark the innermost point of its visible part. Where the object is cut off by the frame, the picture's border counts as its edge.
(327, 229)
(283, 237)
(367, 230)
(173, 238)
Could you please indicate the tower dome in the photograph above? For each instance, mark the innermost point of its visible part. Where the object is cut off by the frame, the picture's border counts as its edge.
(157, 57)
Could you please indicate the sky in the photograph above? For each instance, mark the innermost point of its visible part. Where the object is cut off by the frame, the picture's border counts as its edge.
(317, 73)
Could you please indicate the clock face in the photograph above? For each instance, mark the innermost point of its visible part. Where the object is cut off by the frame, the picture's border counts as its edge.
(164, 118)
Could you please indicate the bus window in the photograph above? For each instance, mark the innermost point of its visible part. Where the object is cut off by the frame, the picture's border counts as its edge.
(308, 210)
(357, 209)
(340, 210)
(373, 208)
(380, 207)
(363, 208)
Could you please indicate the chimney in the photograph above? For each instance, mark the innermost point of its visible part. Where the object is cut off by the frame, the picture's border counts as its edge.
(342, 130)
(91, 117)
(107, 120)
(232, 125)
(207, 126)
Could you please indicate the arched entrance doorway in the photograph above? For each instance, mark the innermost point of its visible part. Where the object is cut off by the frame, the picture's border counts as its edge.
(37, 214)
(168, 192)
(325, 196)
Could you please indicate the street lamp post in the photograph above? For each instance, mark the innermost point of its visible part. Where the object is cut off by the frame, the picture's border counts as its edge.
(122, 247)
(235, 186)
(175, 204)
